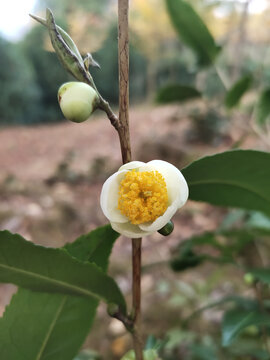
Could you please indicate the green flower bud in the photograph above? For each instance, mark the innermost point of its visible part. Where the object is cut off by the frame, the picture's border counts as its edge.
(77, 101)
(167, 229)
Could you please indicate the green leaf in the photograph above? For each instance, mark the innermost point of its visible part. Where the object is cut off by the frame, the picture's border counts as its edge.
(238, 178)
(193, 31)
(232, 242)
(262, 274)
(53, 270)
(56, 324)
(95, 246)
(186, 259)
(235, 321)
(236, 92)
(263, 107)
(176, 93)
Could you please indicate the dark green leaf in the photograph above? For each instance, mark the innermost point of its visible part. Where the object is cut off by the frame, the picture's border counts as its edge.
(238, 178)
(41, 326)
(193, 31)
(262, 274)
(176, 93)
(56, 324)
(231, 244)
(94, 247)
(263, 107)
(235, 321)
(236, 92)
(186, 260)
(53, 270)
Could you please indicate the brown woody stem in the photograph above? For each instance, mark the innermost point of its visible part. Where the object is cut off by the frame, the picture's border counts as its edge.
(136, 297)
(124, 137)
(123, 60)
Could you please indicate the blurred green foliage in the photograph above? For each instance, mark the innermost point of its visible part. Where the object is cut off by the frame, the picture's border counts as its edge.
(20, 95)
(49, 74)
(106, 79)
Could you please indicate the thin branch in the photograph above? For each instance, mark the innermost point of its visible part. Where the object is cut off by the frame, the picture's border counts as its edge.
(136, 297)
(124, 137)
(123, 59)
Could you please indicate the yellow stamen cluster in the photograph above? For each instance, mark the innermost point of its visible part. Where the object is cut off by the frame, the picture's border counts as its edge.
(143, 196)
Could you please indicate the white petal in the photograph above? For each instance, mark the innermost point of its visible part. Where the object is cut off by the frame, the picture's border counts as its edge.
(109, 198)
(176, 183)
(132, 165)
(160, 221)
(129, 230)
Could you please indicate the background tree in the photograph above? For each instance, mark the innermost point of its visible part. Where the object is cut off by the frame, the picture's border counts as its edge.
(16, 73)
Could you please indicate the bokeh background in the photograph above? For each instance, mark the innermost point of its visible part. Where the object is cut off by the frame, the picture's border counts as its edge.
(51, 171)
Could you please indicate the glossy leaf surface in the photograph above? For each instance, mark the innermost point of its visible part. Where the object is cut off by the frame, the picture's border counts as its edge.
(238, 178)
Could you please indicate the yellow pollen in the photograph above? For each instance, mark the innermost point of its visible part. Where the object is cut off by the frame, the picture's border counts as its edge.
(143, 196)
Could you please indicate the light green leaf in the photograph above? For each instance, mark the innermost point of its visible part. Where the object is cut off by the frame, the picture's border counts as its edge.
(56, 324)
(53, 270)
(193, 31)
(259, 221)
(238, 178)
(235, 321)
(263, 107)
(147, 355)
(236, 92)
(176, 93)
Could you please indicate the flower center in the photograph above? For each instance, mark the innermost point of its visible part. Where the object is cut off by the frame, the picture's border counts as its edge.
(143, 196)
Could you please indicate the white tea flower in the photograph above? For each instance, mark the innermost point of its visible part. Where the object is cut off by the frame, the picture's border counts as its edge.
(141, 198)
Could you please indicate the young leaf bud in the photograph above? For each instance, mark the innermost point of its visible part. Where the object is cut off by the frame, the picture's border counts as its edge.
(77, 101)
